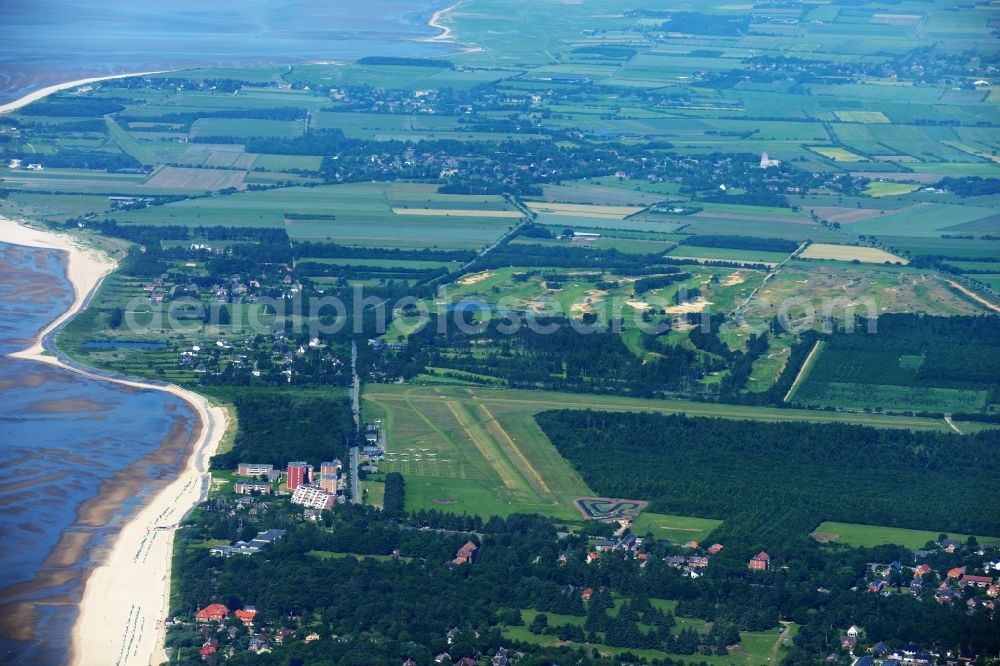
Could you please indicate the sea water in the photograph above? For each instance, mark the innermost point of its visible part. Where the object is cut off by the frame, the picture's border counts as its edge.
(43, 42)
(77, 457)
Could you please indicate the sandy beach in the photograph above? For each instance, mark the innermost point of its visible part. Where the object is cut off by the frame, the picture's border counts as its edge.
(124, 605)
(435, 22)
(48, 90)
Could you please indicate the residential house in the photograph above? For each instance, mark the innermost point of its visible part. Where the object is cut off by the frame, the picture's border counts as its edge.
(697, 561)
(466, 554)
(949, 545)
(956, 573)
(715, 548)
(246, 615)
(267, 537)
(313, 497)
(247, 486)
(212, 613)
(258, 645)
(760, 562)
(255, 469)
(921, 571)
(978, 581)
(603, 545)
(690, 544)
(500, 658)
(593, 556)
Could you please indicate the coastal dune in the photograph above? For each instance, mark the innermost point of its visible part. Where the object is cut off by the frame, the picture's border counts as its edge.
(125, 600)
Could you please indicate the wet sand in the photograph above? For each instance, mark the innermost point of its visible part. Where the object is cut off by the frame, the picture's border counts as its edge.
(125, 598)
(65, 570)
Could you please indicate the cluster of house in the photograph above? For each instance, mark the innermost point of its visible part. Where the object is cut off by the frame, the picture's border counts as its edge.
(252, 547)
(904, 655)
(501, 658)
(34, 166)
(243, 355)
(691, 563)
(974, 588)
(260, 643)
(628, 546)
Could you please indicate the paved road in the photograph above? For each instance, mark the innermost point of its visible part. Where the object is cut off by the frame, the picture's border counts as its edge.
(356, 409)
(355, 481)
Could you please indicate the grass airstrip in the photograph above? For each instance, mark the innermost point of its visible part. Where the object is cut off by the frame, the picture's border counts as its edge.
(479, 450)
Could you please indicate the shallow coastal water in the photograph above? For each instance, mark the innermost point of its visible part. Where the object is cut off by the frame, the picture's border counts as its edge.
(50, 41)
(77, 456)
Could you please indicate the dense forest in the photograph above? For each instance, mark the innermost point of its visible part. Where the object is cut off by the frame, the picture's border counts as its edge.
(914, 350)
(774, 482)
(546, 355)
(277, 428)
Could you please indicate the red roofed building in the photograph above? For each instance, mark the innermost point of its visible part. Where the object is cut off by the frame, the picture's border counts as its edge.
(207, 651)
(714, 548)
(466, 554)
(212, 613)
(246, 615)
(593, 557)
(587, 594)
(690, 544)
(956, 572)
(921, 571)
(978, 581)
(760, 562)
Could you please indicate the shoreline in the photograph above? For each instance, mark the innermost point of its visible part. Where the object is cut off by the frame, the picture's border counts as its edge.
(445, 36)
(49, 90)
(126, 597)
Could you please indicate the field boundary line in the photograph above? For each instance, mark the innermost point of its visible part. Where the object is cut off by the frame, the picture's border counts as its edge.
(803, 371)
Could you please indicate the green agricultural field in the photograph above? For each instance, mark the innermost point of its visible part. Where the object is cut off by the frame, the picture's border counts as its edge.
(869, 536)
(923, 219)
(676, 529)
(779, 227)
(246, 127)
(287, 162)
(749, 256)
(862, 116)
(837, 154)
(978, 248)
(363, 216)
(890, 397)
(881, 188)
(755, 647)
